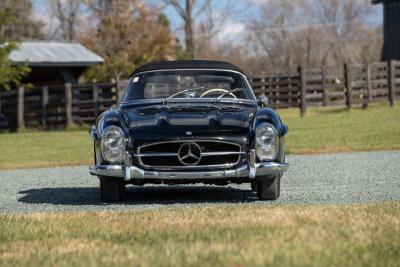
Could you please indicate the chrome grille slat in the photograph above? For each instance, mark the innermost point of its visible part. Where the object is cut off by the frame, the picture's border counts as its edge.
(155, 155)
(205, 154)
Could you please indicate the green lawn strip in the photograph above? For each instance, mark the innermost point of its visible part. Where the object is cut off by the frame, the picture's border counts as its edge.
(229, 235)
(44, 149)
(322, 130)
(325, 130)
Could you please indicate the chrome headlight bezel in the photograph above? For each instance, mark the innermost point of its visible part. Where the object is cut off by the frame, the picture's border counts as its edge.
(266, 142)
(113, 150)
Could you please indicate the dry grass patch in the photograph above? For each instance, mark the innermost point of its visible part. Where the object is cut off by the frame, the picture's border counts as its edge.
(233, 235)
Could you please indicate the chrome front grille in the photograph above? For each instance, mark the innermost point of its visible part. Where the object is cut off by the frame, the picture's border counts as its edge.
(189, 154)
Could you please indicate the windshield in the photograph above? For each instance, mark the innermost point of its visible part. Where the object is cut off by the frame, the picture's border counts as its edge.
(187, 84)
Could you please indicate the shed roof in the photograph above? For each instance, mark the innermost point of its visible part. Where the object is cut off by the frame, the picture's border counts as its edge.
(54, 54)
(382, 1)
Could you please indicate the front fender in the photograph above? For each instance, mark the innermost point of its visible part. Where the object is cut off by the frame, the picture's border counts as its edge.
(270, 116)
(112, 117)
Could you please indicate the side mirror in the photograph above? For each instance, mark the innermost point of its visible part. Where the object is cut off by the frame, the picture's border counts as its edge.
(263, 101)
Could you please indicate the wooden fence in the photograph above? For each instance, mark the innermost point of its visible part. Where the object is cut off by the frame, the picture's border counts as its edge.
(59, 106)
(345, 85)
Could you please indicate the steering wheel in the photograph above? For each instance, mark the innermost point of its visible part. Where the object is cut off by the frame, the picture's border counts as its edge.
(218, 90)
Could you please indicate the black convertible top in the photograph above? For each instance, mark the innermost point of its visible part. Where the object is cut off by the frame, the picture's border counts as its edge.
(187, 64)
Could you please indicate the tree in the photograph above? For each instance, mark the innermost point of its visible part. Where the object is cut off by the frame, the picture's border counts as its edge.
(201, 22)
(185, 11)
(10, 74)
(67, 14)
(313, 33)
(19, 25)
(126, 34)
(346, 29)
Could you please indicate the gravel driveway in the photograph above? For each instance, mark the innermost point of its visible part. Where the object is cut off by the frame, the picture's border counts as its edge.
(315, 179)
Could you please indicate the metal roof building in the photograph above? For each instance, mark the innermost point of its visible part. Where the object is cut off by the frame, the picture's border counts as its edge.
(391, 29)
(53, 62)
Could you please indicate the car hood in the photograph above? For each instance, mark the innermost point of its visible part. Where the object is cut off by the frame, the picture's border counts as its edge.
(160, 123)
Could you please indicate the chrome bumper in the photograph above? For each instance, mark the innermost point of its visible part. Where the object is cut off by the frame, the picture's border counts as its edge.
(252, 171)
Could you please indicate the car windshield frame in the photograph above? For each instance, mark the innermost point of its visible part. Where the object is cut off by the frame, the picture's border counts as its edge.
(250, 94)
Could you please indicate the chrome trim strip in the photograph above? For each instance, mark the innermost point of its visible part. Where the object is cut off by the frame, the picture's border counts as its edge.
(128, 163)
(107, 170)
(179, 168)
(261, 169)
(271, 168)
(207, 101)
(252, 163)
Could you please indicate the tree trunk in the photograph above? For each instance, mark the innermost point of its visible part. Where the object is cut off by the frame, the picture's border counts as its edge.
(189, 37)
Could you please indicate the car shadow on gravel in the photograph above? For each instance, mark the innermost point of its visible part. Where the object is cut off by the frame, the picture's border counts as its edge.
(164, 195)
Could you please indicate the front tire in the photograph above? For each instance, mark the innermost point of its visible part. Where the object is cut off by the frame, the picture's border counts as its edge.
(111, 189)
(254, 186)
(269, 189)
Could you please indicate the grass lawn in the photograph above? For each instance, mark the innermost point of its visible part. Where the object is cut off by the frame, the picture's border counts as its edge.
(234, 235)
(322, 130)
(326, 130)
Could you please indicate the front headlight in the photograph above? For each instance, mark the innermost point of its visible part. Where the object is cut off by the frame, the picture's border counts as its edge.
(113, 144)
(266, 141)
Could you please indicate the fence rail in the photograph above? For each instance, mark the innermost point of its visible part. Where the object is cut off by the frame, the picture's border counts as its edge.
(345, 85)
(58, 106)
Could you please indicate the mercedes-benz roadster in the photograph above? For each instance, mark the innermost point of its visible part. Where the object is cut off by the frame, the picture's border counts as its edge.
(183, 122)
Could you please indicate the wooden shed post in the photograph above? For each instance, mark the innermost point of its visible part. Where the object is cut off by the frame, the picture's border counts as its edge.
(369, 84)
(303, 91)
(45, 102)
(324, 89)
(392, 82)
(95, 100)
(349, 94)
(68, 105)
(20, 109)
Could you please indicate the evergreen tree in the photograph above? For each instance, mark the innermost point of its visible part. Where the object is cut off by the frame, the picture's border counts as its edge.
(10, 74)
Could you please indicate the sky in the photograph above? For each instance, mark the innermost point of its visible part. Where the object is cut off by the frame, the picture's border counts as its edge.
(232, 28)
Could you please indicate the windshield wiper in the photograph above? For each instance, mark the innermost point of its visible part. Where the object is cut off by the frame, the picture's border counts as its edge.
(184, 91)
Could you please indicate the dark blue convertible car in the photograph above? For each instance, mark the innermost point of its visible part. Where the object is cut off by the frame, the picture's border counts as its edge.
(183, 122)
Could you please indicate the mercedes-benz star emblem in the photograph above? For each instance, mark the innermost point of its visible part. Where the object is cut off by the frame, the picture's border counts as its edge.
(189, 154)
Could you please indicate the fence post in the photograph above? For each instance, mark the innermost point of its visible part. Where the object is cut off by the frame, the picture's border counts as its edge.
(392, 82)
(349, 94)
(369, 84)
(289, 91)
(263, 83)
(119, 91)
(95, 100)
(68, 105)
(303, 91)
(20, 109)
(45, 102)
(324, 90)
